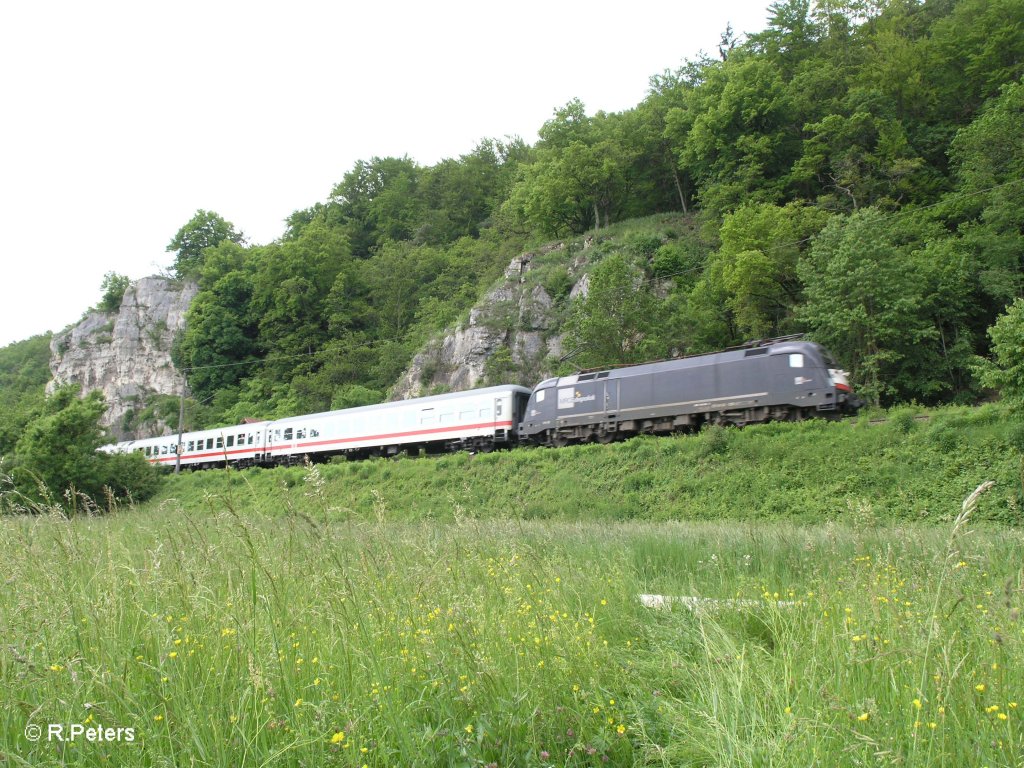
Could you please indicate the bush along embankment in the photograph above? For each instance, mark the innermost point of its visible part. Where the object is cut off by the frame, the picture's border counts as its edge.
(906, 465)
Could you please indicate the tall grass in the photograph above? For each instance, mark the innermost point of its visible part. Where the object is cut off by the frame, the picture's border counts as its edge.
(251, 631)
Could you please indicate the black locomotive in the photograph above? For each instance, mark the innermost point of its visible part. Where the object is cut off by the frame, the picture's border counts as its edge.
(780, 379)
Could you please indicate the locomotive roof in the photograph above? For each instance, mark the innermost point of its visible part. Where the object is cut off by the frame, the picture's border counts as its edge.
(690, 361)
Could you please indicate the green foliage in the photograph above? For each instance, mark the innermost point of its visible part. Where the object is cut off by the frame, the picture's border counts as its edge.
(878, 300)
(355, 395)
(715, 441)
(989, 157)
(500, 368)
(614, 323)
(578, 177)
(903, 420)
(204, 230)
(755, 267)
(24, 372)
(1005, 371)
(113, 288)
(56, 455)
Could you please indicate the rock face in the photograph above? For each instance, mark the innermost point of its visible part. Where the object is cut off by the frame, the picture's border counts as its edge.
(512, 335)
(126, 354)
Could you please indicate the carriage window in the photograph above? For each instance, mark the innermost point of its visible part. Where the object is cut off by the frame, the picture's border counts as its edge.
(796, 360)
(191, 445)
(231, 441)
(314, 433)
(300, 434)
(241, 439)
(250, 439)
(288, 434)
(497, 407)
(148, 451)
(163, 450)
(603, 375)
(220, 442)
(540, 395)
(427, 416)
(209, 443)
(586, 377)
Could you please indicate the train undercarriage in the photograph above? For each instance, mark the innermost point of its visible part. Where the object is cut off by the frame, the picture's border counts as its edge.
(611, 430)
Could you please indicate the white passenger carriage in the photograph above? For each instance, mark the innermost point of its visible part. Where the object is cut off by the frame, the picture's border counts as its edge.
(480, 419)
(240, 445)
(477, 420)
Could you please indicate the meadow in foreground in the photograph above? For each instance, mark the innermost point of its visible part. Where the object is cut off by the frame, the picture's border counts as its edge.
(302, 639)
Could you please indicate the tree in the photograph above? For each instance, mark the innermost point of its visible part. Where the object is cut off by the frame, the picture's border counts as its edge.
(219, 336)
(742, 138)
(1005, 371)
(204, 230)
(755, 268)
(579, 175)
(57, 453)
(379, 199)
(24, 372)
(113, 288)
(989, 159)
(614, 323)
(872, 297)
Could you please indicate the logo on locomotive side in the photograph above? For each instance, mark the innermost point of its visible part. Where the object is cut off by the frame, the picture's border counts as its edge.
(568, 398)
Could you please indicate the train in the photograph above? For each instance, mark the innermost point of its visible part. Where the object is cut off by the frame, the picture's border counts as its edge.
(771, 380)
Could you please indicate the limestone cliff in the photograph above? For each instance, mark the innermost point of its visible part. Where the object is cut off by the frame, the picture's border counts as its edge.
(511, 335)
(126, 354)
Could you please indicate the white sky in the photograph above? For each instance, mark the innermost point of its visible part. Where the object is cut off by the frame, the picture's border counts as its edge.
(118, 120)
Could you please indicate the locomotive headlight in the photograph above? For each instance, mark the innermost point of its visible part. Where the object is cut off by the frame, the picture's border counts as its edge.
(839, 379)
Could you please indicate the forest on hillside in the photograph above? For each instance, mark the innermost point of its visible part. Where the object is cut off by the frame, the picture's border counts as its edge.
(853, 172)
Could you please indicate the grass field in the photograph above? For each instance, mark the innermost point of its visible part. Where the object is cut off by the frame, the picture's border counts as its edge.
(265, 619)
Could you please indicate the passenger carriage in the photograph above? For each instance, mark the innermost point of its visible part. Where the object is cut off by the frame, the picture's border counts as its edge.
(480, 419)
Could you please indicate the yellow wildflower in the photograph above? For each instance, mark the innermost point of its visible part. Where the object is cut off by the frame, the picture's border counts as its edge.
(338, 737)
